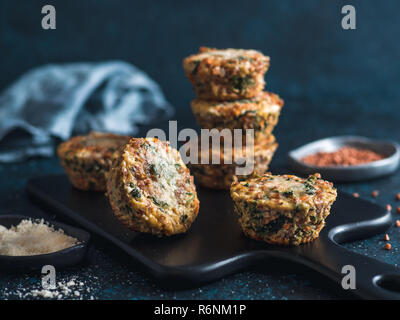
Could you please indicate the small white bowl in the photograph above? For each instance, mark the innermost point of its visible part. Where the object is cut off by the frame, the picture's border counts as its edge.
(374, 169)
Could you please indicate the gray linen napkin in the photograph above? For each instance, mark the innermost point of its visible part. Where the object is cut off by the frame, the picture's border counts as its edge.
(55, 101)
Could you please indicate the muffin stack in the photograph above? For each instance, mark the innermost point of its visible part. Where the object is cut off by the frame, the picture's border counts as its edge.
(229, 85)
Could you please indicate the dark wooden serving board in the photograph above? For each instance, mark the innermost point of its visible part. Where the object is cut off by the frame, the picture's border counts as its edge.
(214, 246)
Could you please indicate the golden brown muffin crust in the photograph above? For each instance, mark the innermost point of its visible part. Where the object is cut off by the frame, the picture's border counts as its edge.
(283, 209)
(260, 113)
(220, 176)
(151, 190)
(87, 159)
(226, 74)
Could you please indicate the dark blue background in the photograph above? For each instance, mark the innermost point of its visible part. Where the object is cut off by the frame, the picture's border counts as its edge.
(316, 66)
(333, 81)
(311, 54)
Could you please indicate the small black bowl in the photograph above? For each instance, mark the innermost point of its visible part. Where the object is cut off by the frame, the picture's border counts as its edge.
(59, 259)
(370, 170)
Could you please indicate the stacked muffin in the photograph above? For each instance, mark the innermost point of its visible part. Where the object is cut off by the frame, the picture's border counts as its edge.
(229, 85)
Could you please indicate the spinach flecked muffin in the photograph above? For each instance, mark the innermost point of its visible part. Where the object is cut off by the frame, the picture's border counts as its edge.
(221, 175)
(260, 113)
(87, 159)
(283, 209)
(227, 74)
(151, 190)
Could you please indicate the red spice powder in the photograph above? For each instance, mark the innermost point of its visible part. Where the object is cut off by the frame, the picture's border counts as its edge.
(345, 156)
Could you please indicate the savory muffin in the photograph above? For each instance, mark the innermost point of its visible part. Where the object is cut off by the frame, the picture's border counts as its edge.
(151, 190)
(285, 209)
(220, 176)
(87, 159)
(227, 74)
(260, 113)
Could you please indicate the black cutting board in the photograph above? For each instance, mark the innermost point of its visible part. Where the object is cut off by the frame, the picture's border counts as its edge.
(214, 246)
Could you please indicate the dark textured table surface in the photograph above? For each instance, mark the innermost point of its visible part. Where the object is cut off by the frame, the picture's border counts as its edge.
(110, 274)
(334, 82)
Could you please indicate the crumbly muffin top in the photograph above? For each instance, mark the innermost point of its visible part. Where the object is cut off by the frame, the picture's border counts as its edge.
(267, 101)
(235, 153)
(228, 53)
(286, 192)
(227, 58)
(157, 180)
(95, 144)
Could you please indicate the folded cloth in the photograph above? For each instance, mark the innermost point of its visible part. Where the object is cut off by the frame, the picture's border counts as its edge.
(56, 101)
